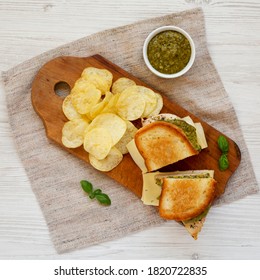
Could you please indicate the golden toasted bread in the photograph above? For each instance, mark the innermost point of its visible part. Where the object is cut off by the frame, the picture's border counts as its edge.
(185, 199)
(161, 143)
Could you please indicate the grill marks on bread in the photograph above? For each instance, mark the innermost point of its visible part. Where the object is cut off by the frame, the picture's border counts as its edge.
(161, 144)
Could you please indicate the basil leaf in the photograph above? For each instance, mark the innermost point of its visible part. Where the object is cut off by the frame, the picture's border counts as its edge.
(92, 196)
(103, 198)
(86, 186)
(223, 162)
(97, 191)
(223, 144)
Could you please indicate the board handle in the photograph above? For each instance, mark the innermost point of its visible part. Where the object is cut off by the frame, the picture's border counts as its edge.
(45, 100)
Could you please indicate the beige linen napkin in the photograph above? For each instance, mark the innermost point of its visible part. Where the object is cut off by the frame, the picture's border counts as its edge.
(75, 222)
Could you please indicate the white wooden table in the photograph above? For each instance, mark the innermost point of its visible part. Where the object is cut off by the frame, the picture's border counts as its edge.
(28, 28)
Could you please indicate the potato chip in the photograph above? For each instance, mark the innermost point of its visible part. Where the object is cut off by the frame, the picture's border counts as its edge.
(111, 122)
(158, 106)
(101, 78)
(130, 104)
(68, 109)
(149, 97)
(127, 137)
(80, 85)
(73, 133)
(84, 100)
(111, 106)
(112, 160)
(98, 142)
(97, 109)
(121, 84)
(99, 83)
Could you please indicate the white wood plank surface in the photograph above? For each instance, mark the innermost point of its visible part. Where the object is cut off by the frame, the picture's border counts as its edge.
(28, 28)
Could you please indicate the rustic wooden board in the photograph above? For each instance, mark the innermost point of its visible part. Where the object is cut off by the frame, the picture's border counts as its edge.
(48, 105)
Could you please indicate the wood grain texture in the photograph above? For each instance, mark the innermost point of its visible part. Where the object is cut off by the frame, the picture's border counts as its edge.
(48, 105)
(28, 28)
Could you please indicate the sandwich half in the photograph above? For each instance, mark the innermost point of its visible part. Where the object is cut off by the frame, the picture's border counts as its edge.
(183, 196)
(183, 199)
(166, 139)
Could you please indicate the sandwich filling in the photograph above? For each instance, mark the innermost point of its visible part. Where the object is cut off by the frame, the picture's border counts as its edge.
(193, 131)
(189, 130)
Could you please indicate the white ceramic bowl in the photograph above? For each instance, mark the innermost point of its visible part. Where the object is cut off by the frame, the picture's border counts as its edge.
(161, 29)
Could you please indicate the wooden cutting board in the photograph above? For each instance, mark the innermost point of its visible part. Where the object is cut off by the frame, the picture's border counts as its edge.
(48, 105)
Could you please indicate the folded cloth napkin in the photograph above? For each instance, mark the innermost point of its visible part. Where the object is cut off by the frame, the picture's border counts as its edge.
(54, 174)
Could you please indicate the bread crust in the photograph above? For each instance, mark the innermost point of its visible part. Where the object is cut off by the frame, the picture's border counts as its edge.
(161, 143)
(185, 199)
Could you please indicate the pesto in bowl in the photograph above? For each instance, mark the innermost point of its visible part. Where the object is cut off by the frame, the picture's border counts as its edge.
(169, 52)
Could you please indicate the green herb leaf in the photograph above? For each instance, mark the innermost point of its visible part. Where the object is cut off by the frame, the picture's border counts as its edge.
(223, 162)
(223, 144)
(94, 193)
(97, 191)
(92, 196)
(86, 186)
(103, 198)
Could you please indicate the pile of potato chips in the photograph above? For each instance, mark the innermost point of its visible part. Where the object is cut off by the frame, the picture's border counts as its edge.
(100, 114)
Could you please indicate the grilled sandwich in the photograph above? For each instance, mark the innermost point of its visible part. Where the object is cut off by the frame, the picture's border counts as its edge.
(183, 196)
(166, 139)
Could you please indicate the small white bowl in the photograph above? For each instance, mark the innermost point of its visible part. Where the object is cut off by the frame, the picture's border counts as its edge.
(159, 30)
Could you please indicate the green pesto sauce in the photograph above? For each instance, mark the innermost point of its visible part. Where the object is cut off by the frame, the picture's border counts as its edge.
(159, 180)
(189, 130)
(169, 52)
(192, 176)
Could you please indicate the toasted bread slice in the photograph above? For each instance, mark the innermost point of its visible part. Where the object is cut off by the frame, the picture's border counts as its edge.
(161, 143)
(185, 199)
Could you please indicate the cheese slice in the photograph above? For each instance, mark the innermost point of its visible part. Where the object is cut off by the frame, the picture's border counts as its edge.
(201, 135)
(151, 191)
(152, 184)
(188, 120)
(136, 156)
